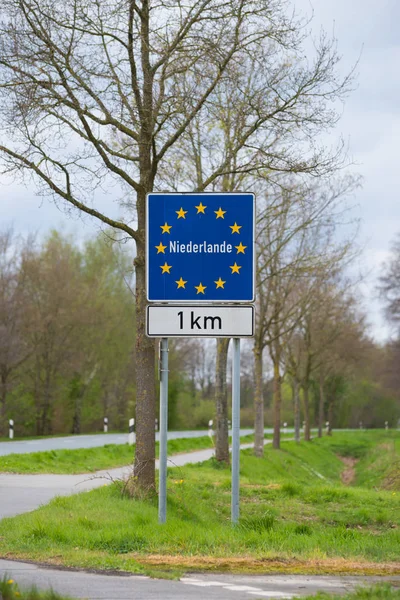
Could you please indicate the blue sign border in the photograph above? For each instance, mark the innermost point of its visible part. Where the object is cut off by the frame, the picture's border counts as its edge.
(198, 300)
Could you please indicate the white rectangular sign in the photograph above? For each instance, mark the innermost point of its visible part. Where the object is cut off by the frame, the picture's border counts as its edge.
(200, 321)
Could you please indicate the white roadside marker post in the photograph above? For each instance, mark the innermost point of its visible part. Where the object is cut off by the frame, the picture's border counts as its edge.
(11, 429)
(131, 434)
(210, 429)
(105, 425)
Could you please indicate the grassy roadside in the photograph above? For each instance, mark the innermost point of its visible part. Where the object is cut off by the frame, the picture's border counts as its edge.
(89, 460)
(296, 516)
(376, 456)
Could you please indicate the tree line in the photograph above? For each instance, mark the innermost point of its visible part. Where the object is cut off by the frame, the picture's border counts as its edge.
(67, 332)
(67, 360)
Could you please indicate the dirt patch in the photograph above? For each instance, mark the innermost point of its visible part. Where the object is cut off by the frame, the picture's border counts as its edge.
(265, 565)
(170, 564)
(349, 472)
(392, 479)
(386, 446)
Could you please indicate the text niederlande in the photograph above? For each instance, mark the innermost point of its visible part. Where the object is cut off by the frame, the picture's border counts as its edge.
(204, 247)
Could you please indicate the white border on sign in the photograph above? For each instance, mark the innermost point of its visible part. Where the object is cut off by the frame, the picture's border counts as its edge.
(205, 302)
(212, 334)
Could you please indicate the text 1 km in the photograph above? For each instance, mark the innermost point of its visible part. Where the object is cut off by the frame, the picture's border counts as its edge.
(206, 323)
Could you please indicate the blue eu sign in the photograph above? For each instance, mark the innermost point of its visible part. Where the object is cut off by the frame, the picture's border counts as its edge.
(200, 247)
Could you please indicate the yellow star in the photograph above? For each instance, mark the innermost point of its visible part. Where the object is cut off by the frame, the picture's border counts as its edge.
(165, 268)
(181, 283)
(201, 208)
(235, 268)
(240, 248)
(166, 228)
(200, 288)
(220, 213)
(220, 283)
(181, 213)
(235, 228)
(160, 248)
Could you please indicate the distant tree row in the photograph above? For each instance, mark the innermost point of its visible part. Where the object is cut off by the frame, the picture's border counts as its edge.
(67, 328)
(67, 336)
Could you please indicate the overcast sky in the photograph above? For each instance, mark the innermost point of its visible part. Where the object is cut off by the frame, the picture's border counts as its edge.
(365, 29)
(368, 30)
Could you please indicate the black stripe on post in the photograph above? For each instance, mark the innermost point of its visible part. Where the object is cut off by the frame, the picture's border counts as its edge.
(131, 428)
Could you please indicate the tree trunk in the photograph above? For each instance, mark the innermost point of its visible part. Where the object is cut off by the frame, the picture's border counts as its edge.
(221, 403)
(321, 406)
(76, 421)
(45, 427)
(330, 417)
(3, 396)
(296, 398)
(258, 404)
(306, 401)
(77, 394)
(277, 405)
(144, 468)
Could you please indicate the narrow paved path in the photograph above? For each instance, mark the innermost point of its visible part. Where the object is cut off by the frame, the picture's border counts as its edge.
(23, 493)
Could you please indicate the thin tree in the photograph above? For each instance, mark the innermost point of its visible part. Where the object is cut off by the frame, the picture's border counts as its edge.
(290, 249)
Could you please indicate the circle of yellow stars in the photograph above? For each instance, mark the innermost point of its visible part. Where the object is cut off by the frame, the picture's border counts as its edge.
(181, 214)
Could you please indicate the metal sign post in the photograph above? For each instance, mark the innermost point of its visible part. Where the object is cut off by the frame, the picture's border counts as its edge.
(162, 492)
(235, 430)
(200, 273)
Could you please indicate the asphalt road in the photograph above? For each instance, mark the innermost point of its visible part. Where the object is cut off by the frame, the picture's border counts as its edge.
(91, 586)
(73, 442)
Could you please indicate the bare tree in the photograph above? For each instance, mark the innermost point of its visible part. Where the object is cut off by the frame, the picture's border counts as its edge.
(294, 240)
(95, 94)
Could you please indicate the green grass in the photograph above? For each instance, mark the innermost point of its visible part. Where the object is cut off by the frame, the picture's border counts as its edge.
(293, 510)
(89, 460)
(378, 592)
(9, 590)
(85, 460)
